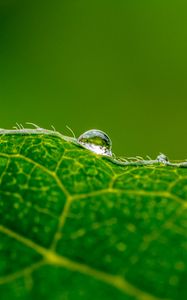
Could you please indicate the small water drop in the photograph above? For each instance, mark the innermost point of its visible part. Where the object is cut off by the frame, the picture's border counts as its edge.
(162, 158)
(96, 141)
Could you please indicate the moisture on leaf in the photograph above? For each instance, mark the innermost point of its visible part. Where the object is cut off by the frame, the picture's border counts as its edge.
(74, 225)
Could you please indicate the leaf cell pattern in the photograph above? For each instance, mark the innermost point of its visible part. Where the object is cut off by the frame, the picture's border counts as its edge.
(73, 225)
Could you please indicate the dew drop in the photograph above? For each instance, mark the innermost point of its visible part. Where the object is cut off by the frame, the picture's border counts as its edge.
(96, 141)
(162, 158)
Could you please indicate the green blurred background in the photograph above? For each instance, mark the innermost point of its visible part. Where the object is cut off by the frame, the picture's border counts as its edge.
(119, 66)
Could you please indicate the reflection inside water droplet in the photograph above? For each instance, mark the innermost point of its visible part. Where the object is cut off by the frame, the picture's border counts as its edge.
(97, 141)
(162, 158)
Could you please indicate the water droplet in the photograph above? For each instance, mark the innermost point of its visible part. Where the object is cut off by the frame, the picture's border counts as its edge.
(162, 158)
(96, 141)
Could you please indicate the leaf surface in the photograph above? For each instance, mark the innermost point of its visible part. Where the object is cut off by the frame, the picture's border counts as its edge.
(73, 225)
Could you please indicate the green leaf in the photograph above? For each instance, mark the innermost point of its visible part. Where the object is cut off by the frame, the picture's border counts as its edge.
(73, 225)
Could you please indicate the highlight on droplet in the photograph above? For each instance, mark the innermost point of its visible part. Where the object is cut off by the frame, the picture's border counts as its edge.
(96, 141)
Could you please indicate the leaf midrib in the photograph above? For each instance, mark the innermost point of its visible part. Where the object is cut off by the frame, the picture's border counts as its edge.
(52, 258)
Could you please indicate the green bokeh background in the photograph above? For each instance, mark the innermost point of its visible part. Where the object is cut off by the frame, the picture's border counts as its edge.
(119, 66)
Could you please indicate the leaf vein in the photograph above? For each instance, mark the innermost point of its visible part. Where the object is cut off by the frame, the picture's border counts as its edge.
(54, 259)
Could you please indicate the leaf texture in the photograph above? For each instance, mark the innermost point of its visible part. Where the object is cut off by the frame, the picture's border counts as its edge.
(73, 225)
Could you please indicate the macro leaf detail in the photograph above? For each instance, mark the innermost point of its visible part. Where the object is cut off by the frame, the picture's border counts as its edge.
(74, 225)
